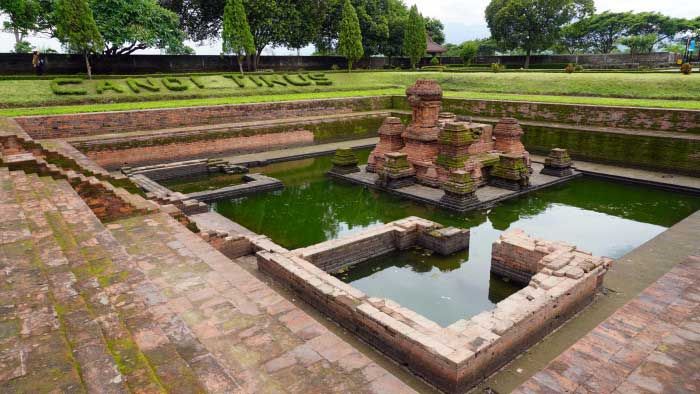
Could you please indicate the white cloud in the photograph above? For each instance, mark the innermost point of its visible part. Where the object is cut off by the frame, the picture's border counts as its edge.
(464, 19)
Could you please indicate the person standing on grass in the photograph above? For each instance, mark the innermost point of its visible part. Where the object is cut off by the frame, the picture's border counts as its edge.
(38, 63)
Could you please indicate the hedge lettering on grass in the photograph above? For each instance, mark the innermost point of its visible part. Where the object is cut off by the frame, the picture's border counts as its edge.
(152, 85)
(105, 85)
(137, 84)
(174, 84)
(60, 87)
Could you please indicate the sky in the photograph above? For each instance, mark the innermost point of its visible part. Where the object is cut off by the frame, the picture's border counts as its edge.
(463, 19)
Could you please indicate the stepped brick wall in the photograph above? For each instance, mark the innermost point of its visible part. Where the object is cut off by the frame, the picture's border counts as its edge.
(673, 120)
(151, 154)
(65, 126)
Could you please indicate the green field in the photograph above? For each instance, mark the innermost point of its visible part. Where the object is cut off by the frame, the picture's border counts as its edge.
(672, 90)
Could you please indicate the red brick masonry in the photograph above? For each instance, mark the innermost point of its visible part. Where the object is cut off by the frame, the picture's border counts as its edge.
(651, 345)
(65, 126)
(452, 358)
(674, 120)
(205, 148)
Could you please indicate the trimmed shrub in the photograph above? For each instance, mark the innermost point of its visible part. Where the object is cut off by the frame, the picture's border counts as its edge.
(335, 67)
(299, 81)
(498, 67)
(198, 82)
(136, 85)
(579, 68)
(320, 79)
(105, 85)
(687, 69)
(434, 61)
(174, 84)
(433, 68)
(570, 68)
(59, 86)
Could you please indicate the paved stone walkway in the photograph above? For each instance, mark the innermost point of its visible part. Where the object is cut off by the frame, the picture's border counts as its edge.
(650, 345)
(263, 341)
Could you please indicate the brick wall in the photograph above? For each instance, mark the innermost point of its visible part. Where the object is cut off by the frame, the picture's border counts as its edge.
(65, 126)
(115, 158)
(453, 358)
(672, 120)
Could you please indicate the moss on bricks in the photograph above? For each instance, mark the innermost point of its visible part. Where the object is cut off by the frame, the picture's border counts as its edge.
(323, 132)
(657, 153)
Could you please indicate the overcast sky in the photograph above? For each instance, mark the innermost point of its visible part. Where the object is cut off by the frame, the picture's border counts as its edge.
(463, 19)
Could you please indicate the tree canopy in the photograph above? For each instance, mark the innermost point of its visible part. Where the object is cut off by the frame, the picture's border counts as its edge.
(131, 25)
(22, 17)
(532, 25)
(350, 36)
(603, 32)
(435, 29)
(236, 37)
(76, 28)
(415, 37)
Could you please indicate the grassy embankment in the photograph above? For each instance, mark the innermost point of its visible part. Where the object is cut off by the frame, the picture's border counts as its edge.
(35, 97)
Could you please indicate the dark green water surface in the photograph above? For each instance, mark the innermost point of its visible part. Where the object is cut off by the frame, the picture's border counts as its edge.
(201, 183)
(606, 218)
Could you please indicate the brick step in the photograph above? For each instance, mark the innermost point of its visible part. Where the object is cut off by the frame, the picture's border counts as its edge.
(217, 128)
(37, 356)
(100, 312)
(112, 287)
(159, 241)
(106, 201)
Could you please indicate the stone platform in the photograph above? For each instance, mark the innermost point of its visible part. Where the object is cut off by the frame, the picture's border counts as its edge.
(650, 345)
(487, 195)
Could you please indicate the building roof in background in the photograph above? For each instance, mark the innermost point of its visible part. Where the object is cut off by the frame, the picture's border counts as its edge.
(434, 47)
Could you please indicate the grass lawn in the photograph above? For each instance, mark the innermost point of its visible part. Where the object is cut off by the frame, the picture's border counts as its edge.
(25, 97)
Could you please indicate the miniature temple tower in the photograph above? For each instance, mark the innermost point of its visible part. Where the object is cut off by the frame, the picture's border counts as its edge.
(421, 135)
(389, 141)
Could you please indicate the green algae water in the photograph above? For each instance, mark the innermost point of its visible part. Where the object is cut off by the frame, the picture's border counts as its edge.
(201, 183)
(603, 217)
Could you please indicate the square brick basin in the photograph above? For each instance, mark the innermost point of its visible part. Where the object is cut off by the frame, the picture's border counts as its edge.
(562, 281)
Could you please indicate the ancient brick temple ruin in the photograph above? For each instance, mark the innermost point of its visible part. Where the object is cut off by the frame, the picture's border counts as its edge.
(441, 147)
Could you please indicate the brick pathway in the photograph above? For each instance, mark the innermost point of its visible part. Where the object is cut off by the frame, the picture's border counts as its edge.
(144, 305)
(651, 345)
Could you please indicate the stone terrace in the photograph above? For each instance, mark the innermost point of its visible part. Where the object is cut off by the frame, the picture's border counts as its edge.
(650, 345)
(145, 305)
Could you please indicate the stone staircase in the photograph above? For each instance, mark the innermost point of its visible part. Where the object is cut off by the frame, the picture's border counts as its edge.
(93, 300)
(142, 304)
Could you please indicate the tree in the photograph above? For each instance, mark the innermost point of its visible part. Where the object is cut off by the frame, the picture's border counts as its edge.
(76, 28)
(640, 44)
(604, 30)
(532, 25)
(131, 25)
(573, 39)
(350, 36)
(373, 16)
(397, 16)
(415, 41)
(22, 15)
(236, 34)
(468, 51)
(436, 30)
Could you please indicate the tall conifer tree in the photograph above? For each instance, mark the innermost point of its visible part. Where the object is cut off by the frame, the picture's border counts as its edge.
(350, 36)
(236, 35)
(76, 28)
(415, 40)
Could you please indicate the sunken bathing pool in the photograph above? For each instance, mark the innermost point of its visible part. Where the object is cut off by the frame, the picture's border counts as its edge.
(603, 217)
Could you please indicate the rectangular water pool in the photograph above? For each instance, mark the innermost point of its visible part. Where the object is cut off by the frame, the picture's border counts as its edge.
(603, 217)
